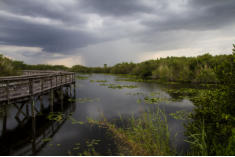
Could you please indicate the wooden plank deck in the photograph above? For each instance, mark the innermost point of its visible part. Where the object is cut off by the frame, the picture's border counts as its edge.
(33, 82)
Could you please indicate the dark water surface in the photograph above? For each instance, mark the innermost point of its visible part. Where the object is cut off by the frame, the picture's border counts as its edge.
(66, 132)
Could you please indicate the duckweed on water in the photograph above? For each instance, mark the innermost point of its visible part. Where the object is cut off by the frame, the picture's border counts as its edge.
(74, 121)
(117, 86)
(56, 116)
(154, 100)
(101, 81)
(185, 91)
(59, 117)
(84, 100)
(88, 148)
(82, 77)
(46, 139)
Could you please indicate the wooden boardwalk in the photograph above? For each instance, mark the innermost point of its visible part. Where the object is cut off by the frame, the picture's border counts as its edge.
(33, 82)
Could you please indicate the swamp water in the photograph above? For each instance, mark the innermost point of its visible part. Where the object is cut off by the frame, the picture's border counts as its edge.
(65, 131)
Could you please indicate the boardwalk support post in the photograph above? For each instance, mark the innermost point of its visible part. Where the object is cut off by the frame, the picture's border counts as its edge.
(4, 124)
(51, 95)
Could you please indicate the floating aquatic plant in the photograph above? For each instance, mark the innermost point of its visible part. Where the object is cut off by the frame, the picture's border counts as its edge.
(82, 77)
(84, 100)
(74, 121)
(46, 139)
(101, 81)
(180, 115)
(56, 116)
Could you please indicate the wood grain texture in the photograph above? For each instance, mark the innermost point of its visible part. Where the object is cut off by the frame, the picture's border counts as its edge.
(33, 82)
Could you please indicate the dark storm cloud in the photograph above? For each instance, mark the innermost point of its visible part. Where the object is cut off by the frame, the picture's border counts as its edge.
(115, 7)
(51, 39)
(199, 15)
(63, 26)
(37, 8)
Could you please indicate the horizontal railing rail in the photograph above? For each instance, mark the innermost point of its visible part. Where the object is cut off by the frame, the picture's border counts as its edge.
(33, 82)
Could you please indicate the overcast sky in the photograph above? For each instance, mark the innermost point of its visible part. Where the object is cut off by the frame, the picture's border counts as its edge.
(94, 32)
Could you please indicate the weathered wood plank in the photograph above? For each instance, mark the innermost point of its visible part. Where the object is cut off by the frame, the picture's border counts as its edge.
(32, 83)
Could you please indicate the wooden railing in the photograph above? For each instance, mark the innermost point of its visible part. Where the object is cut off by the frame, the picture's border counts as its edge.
(32, 82)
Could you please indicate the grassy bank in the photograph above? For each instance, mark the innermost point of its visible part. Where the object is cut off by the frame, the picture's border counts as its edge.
(147, 134)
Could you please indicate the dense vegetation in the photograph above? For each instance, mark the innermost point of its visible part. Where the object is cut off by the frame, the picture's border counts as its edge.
(201, 69)
(212, 129)
(19, 65)
(10, 67)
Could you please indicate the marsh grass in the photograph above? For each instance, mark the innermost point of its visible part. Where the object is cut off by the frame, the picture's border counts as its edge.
(147, 134)
(198, 141)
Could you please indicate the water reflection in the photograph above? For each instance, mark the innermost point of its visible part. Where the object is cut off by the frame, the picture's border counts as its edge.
(25, 125)
(48, 134)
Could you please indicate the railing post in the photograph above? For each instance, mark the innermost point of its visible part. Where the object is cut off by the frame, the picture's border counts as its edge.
(51, 79)
(56, 80)
(4, 124)
(51, 95)
(73, 77)
(42, 84)
(62, 98)
(30, 87)
(7, 92)
(61, 77)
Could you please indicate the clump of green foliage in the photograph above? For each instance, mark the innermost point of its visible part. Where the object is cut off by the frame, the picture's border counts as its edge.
(6, 67)
(19, 65)
(213, 118)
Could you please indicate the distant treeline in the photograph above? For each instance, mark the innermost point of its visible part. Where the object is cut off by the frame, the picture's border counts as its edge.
(10, 67)
(201, 69)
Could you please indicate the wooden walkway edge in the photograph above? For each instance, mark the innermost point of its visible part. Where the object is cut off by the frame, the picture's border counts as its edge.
(33, 82)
